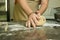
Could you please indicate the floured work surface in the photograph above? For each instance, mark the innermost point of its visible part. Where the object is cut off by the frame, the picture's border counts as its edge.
(19, 32)
(32, 34)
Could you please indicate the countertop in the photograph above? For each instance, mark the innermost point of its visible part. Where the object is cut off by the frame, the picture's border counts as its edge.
(51, 27)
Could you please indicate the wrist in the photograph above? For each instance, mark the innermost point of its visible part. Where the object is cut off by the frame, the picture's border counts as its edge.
(38, 12)
(30, 13)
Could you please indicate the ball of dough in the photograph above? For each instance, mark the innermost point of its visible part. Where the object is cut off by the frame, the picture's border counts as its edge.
(41, 21)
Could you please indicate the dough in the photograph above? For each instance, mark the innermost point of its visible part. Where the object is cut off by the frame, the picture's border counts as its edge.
(41, 21)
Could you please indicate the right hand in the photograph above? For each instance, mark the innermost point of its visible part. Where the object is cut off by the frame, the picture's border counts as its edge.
(32, 20)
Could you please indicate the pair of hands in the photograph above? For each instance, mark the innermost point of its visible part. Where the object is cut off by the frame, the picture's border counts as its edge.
(33, 20)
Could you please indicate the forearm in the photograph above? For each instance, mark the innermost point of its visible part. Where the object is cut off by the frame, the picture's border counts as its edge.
(25, 6)
(44, 5)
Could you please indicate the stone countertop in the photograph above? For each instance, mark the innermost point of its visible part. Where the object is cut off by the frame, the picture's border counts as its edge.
(52, 33)
(52, 29)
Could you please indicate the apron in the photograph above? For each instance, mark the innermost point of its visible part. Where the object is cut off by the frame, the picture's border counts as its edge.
(19, 14)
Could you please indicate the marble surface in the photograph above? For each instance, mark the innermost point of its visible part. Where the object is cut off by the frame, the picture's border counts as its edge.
(52, 29)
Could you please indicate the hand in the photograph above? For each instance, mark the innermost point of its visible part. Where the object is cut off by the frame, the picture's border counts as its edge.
(38, 13)
(32, 20)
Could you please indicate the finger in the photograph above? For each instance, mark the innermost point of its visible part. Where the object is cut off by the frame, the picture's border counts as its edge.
(35, 20)
(28, 24)
(37, 17)
(33, 24)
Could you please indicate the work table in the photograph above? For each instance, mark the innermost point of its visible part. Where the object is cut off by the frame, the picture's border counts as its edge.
(52, 29)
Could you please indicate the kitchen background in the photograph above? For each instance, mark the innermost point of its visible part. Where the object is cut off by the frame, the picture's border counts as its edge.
(3, 9)
(49, 13)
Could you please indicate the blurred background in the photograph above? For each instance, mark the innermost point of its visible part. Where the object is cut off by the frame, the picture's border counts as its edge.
(53, 8)
(3, 16)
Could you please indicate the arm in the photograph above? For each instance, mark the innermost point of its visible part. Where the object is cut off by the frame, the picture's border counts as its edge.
(25, 6)
(31, 16)
(44, 5)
